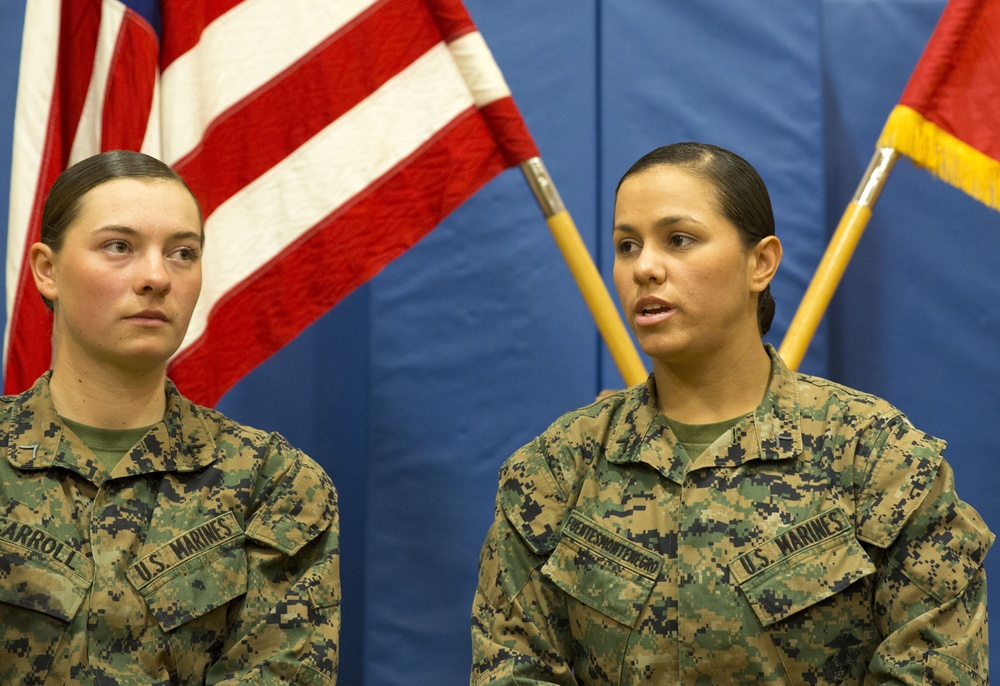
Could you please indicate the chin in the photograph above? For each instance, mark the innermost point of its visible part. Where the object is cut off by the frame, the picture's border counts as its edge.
(659, 345)
(146, 359)
(667, 352)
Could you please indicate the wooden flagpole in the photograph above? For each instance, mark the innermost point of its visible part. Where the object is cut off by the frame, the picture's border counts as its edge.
(585, 273)
(838, 254)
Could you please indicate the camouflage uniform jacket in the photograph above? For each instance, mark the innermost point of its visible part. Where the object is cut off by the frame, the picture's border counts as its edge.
(209, 555)
(819, 541)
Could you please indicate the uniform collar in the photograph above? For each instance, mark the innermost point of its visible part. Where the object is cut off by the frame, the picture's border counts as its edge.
(771, 432)
(37, 439)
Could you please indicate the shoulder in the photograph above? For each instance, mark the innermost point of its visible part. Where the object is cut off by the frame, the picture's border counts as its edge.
(27, 415)
(283, 478)
(279, 458)
(818, 395)
(224, 428)
(34, 396)
(581, 435)
(806, 398)
(853, 417)
(895, 464)
(541, 480)
(267, 452)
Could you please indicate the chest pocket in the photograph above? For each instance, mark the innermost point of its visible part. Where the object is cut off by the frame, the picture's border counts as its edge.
(195, 573)
(603, 570)
(33, 581)
(609, 580)
(803, 587)
(41, 590)
(808, 563)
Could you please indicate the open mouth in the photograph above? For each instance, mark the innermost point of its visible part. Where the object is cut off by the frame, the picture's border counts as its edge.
(652, 313)
(650, 310)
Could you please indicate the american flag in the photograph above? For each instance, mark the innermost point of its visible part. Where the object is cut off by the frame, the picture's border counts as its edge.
(323, 138)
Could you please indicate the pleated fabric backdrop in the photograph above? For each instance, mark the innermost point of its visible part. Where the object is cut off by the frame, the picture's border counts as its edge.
(414, 390)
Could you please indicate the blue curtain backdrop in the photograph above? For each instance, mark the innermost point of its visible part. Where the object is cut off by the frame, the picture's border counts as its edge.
(413, 390)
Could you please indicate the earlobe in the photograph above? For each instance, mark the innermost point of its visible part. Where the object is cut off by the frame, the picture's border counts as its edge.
(766, 258)
(42, 261)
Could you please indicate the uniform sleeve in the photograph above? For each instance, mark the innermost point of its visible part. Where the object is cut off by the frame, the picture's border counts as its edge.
(930, 589)
(520, 627)
(287, 628)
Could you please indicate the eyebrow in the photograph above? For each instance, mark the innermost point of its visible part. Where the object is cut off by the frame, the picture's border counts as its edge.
(129, 231)
(662, 222)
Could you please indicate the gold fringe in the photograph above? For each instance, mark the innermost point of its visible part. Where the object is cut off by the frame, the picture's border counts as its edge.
(943, 155)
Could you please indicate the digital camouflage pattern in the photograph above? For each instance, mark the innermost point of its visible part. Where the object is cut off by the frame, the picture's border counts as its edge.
(210, 554)
(819, 541)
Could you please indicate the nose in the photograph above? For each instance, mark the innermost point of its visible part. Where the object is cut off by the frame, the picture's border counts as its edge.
(152, 274)
(648, 267)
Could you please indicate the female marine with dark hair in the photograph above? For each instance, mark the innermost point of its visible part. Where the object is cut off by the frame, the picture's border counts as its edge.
(143, 539)
(729, 521)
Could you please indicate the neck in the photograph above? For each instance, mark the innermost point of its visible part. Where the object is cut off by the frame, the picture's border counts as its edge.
(729, 384)
(108, 398)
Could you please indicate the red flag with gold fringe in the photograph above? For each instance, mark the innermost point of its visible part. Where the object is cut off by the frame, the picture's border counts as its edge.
(948, 118)
(947, 121)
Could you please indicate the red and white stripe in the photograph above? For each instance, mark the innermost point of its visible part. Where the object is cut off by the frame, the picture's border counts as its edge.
(322, 139)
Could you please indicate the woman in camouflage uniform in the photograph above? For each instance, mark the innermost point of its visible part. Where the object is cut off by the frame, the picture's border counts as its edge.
(143, 539)
(728, 521)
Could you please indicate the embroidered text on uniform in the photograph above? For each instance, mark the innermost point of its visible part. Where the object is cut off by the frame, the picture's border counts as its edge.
(614, 548)
(198, 539)
(29, 537)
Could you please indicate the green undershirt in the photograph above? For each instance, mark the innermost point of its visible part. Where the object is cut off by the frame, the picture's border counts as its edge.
(110, 445)
(696, 437)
